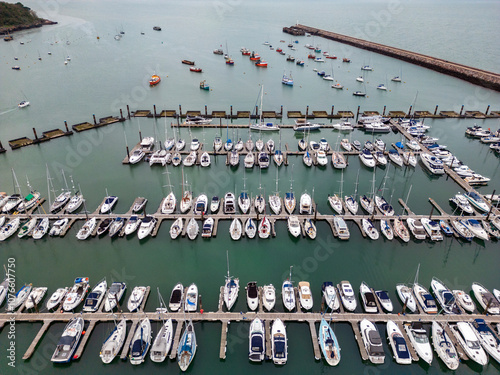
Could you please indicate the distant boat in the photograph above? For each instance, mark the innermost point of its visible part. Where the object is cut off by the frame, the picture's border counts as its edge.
(287, 80)
(23, 104)
(157, 28)
(196, 70)
(204, 86)
(188, 62)
(154, 80)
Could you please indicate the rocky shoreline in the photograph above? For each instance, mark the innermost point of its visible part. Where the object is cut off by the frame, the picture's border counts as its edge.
(11, 29)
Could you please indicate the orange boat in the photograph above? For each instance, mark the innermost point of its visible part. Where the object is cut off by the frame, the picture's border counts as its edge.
(261, 63)
(154, 80)
(254, 56)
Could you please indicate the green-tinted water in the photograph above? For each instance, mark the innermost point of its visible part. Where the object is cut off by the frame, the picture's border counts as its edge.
(105, 75)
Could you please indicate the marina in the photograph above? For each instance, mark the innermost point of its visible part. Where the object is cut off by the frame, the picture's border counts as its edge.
(173, 156)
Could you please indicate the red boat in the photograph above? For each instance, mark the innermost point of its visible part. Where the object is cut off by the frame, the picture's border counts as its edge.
(332, 57)
(154, 80)
(254, 56)
(261, 63)
(345, 59)
(229, 61)
(279, 50)
(311, 56)
(196, 70)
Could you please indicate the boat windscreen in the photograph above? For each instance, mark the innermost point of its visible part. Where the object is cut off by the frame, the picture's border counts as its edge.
(370, 299)
(383, 294)
(449, 298)
(176, 296)
(252, 292)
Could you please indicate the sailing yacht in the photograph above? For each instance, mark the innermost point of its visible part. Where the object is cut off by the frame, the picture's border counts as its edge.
(288, 293)
(187, 347)
(140, 343)
(113, 344)
(328, 343)
(163, 342)
(263, 126)
(231, 287)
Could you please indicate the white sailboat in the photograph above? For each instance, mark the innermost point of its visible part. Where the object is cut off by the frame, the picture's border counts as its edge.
(231, 287)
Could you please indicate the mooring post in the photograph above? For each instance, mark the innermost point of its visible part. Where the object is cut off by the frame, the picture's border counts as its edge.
(95, 122)
(66, 125)
(154, 109)
(128, 153)
(487, 110)
(180, 111)
(435, 110)
(357, 114)
(432, 211)
(1, 147)
(140, 135)
(231, 110)
(206, 110)
(383, 113)
(121, 113)
(34, 131)
(461, 110)
(409, 110)
(307, 110)
(331, 114)
(281, 111)
(256, 110)
(128, 111)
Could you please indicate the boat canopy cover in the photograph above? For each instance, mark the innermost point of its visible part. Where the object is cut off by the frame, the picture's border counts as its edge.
(429, 300)
(400, 145)
(29, 197)
(370, 299)
(252, 290)
(66, 342)
(279, 347)
(401, 348)
(138, 348)
(257, 343)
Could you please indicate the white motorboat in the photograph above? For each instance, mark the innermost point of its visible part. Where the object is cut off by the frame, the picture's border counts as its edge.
(27, 227)
(406, 296)
(58, 227)
(469, 342)
(113, 344)
(136, 156)
(400, 230)
(268, 297)
(229, 203)
(207, 228)
(147, 143)
(176, 298)
(486, 299)
(385, 301)
(294, 225)
(58, 203)
(305, 295)
(386, 229)
(249, 160)
(335, 203)
(176, 159)
(464, 300)
(414, 145)
(201, 205)
(133, 224)
(116, 226)
(305, 204)
(444, 347)
(341, 228)
(279, 343)
(135, 300)
(302, 125)
(369, 229)
(425, 299)
(141, 342)
(159, 157)
(366, 158)
(168, 204)
(146, 227)
(76, 294)
(330, 295)
(56, 298)
(264, 228)
(108, 204)
(419, 340)
(347, 295)
(409, 158)
(252, 295)
(346, 145)
(372, 341)
(477, 201)
(256, 341)
(192, 229)
(35, 297)
(310, 229)
(114, 295)
(368, 298)
(432, 163)
(250, 228)
(87, 229)
(195, 144)
(214, 204)
(417, 229)
(444, 296)
(380, 158)
(476, 229)
(191, 301)
(462, 203)
(139, 204)
(398, 344)
(487, 338)
(321, 158)
(288, 294)
(176, 228)
(163, 342)
(236, 229)
(10, 202)
(69, 341)
(95, 297)
(433, 229)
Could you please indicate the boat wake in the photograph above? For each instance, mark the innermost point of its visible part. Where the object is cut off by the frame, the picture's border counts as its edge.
(8, 111)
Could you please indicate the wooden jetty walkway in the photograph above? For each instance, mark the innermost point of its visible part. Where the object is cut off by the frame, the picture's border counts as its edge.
(476, 76)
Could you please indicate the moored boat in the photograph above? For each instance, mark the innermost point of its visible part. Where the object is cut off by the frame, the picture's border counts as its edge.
(69, 341)
(444, 347)
(113, 344)
(140, 343)
(328, 343)
(398, 344)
